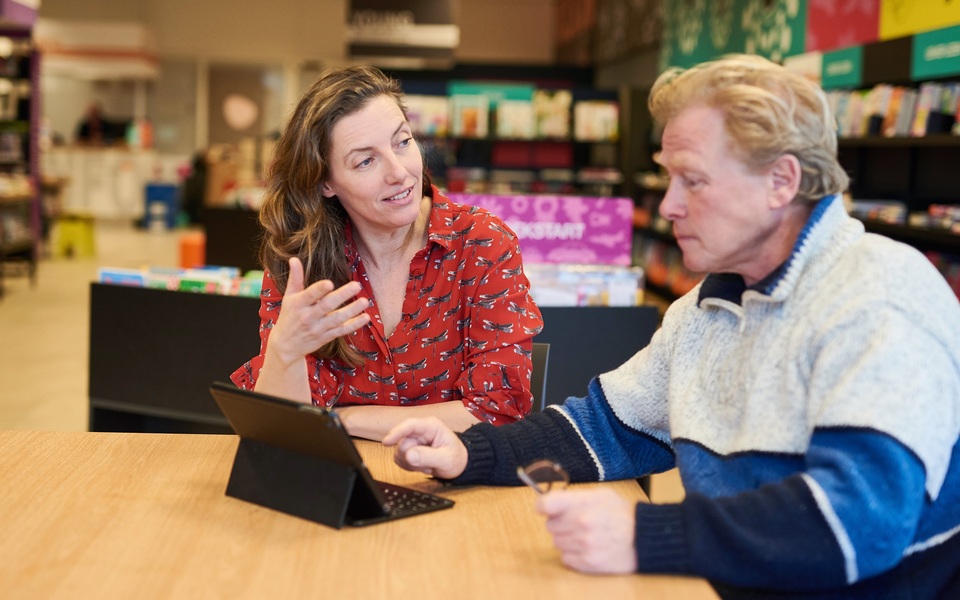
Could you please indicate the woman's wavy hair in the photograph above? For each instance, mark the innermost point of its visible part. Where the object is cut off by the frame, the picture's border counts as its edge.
(297, 220)
(768, 112)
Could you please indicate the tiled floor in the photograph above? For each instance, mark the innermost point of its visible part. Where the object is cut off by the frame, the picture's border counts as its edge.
(44, 328)
(44, 334)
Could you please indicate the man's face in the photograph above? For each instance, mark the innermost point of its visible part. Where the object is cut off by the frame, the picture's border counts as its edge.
(721, 211)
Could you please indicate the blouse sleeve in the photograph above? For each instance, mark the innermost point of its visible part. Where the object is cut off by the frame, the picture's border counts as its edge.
(502, 321)
(325, 384)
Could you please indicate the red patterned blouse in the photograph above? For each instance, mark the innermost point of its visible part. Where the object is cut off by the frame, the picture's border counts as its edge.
(466, 331)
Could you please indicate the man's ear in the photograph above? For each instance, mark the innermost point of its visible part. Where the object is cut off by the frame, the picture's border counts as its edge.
(785, 174)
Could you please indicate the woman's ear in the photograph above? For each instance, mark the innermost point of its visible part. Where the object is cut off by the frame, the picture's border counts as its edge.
(785, 174)
(326, 190)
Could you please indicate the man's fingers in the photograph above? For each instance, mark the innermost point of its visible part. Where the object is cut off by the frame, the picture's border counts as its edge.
(556, 503)
(408, 429)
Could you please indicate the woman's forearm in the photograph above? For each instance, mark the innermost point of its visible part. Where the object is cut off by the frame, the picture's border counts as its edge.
(284, 380)
(373, 422)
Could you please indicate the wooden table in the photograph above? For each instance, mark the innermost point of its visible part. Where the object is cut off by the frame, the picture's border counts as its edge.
(120, 515)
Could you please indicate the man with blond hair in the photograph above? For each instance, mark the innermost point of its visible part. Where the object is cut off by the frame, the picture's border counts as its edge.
(808, 390)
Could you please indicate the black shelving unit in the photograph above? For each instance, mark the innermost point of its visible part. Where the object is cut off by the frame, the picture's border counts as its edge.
(924, 238)
(152, 375)
(918, 171)
(20, 213)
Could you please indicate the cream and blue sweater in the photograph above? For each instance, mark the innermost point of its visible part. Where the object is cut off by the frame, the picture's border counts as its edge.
(813, 418)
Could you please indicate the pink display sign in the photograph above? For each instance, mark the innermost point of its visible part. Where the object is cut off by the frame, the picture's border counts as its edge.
(564, 229)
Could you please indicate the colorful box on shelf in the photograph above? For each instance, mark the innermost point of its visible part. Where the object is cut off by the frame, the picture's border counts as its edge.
(887, 211)
(163, 278)
(207, 280)
(119, 276)
(251, 284)
(210, 280)
(585, 285)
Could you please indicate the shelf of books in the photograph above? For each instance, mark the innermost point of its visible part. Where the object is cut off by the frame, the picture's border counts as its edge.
(895, 111)
(504, 137)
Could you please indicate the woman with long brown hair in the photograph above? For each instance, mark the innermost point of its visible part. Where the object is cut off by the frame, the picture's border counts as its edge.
(395, 301)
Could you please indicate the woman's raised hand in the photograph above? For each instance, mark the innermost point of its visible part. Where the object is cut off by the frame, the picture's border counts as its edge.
(315, 315)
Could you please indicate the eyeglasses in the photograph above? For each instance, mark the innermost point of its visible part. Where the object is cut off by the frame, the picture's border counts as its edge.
(544, 476)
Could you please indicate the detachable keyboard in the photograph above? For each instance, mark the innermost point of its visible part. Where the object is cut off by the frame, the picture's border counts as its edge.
(404, 502)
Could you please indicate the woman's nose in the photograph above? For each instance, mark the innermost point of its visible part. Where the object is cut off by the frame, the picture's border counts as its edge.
(395, 169)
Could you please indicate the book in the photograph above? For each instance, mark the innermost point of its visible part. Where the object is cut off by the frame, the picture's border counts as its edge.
(840, 114)
(551, 113)
(908, 106)
(120, 276)
(515, 119)
(928, 95)
(892, 111)
(856, 117)
(876, 100)
(428, 115)
(470, 115)
(596, 121)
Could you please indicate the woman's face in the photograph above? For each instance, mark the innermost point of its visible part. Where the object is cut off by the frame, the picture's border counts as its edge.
(375, 167)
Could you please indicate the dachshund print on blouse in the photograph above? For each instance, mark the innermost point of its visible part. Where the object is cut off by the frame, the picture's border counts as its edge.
(466, 329)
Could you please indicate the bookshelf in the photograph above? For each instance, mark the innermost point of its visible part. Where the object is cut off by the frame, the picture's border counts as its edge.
(900, 140)
(20, 215)
(517, 129)
(917, 172)
(920, 237)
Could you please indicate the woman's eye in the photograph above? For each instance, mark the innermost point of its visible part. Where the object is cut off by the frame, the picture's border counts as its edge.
(404, 143)
(365, 162)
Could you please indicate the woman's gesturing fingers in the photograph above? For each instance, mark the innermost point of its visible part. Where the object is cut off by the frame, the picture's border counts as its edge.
(316, 315)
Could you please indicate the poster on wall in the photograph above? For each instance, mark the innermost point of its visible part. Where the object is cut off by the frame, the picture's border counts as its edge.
(683, 42)
(833, 24)
(899, 18)
(698, 30)
(775, 28)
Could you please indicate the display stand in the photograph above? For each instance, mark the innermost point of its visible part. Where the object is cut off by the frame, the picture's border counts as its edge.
(154, 353)
(150, 374)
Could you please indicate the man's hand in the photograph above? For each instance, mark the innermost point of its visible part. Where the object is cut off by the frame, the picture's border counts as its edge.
(428, 446)
(593, 529)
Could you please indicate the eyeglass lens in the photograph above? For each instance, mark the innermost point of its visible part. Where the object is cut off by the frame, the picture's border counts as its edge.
(543, 476)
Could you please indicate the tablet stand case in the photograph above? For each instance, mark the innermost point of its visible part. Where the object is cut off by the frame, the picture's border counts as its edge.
(294, 483)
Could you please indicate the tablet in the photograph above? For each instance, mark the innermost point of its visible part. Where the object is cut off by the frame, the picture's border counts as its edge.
(311, 439)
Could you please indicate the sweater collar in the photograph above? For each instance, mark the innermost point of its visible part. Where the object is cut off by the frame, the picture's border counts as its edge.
(825, 218)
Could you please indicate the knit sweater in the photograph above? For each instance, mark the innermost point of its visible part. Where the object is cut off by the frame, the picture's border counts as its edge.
(813, 417)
